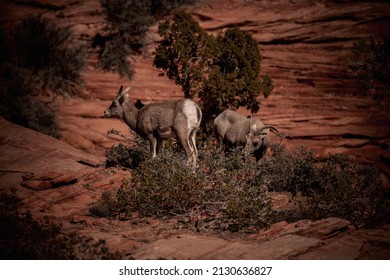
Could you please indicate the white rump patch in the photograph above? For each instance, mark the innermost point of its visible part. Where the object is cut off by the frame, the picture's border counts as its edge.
(191, 112)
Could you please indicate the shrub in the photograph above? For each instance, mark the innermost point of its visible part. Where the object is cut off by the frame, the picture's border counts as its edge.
(165, 186)
(105, 207)
(113, 57)
(22, 237)
(217, 192)
(18, 104)
(371, 65)
(36, 57)
(126, 156)
(248, 207)
(348, 190)
(46, 49)
(231, 191)
(161, 186)
(239, 203)
(127, 23)
(185, 52)
(335, 185)
(288, 171)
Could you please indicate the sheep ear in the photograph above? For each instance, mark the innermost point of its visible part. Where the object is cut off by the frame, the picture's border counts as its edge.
(120, 90)
(126, 90)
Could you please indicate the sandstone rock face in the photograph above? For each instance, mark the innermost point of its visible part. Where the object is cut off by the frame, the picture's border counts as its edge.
(302, 240)
(58, 182)
(41, 161)
(305, 46)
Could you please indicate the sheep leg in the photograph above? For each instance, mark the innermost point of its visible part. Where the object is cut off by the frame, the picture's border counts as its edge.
(153, 145)
(193, 146)
(160, 145)
(185, 142)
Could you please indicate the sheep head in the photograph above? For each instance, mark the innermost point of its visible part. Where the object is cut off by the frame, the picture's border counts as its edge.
(116, 109)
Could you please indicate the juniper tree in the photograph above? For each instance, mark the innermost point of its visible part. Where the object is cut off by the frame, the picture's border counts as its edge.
(223, 71)
(185, 52)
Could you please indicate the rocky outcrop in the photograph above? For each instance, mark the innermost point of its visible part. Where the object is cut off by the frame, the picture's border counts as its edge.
(331, 239)
(45, 172)
(40, 161)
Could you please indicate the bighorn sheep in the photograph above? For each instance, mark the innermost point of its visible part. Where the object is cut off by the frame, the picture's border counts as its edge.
(234, 129)
(159, 121)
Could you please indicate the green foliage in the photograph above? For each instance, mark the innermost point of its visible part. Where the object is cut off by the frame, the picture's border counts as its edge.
(371, 65)
(231, 191)
(22, 237)
(347, 190)
(127, 23)
(289, 171)
(17, 102)
(37, 57)
(107, 206)
(45, 48)
(161, 186)
(220, 191)
(126, 156)
(165, 186)
(238, 63)
(184, 52)
(113, 57)
(224, 71)
(267, 85)
(332, 186)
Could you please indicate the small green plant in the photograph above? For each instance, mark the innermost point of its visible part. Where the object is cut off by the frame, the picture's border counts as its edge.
(127, 156)
(165, 186)
(22, 237)
(105, 207)
(236, 200)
